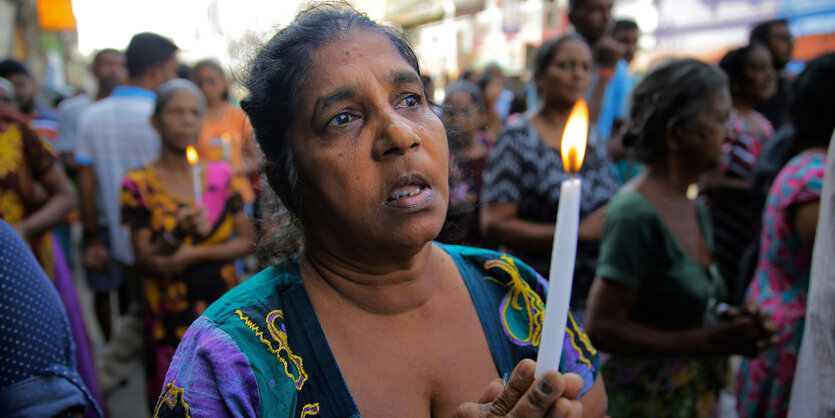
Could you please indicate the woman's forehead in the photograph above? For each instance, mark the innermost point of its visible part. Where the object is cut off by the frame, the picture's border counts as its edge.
(355, 50)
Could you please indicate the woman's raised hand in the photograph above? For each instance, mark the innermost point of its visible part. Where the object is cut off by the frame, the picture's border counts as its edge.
(553, 395)
(192, 221)
(743, 330)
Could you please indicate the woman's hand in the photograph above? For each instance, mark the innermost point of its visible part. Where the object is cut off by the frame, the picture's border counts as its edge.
(745, 330)
(176, 263)
(192, 221)
(553, 395)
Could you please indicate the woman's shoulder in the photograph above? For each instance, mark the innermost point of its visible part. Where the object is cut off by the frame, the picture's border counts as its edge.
(501, 267)
(520, 129)
(764, 125)
(631, 206)
(267, 286)
(138, 176)
(801, 179)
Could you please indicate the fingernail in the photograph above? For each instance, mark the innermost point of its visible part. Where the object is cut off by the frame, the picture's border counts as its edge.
(524, 373)
(545, 387)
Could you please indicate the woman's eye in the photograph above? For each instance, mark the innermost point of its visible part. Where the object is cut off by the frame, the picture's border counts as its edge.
(410, 101)
(340, 119)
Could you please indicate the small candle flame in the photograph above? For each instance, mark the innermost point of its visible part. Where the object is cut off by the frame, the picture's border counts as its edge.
(191, 155)
(574, 138)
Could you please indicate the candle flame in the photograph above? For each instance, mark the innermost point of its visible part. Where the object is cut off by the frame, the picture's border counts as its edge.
(191, 155)
(574, 138)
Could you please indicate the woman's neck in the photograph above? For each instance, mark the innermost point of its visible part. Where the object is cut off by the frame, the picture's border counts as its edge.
(671, 177)
(381, 288)
(216, 110)
(553, 114)
(174, 161)
(468, 146)
(743, 106)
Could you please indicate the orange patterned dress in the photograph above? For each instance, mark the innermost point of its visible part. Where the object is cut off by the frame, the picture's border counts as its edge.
(174, 302)
(24, 159)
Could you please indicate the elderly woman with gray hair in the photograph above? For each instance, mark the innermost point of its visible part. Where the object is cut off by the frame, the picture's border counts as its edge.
(183, 248)
(655, 302)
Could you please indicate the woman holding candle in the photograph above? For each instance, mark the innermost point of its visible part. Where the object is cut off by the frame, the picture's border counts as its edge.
(183, 248)
(653, 305)
(372, 318)
(521, 190)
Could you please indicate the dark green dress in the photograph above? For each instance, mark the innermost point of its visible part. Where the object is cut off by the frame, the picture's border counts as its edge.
(674, 292)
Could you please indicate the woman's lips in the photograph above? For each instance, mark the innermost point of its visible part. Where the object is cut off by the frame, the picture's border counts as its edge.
(412, 196)
(410, 192)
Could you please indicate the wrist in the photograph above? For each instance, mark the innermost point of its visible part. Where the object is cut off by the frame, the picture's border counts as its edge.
(170, 239)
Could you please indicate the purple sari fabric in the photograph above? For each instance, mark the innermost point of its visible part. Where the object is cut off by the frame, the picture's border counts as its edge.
(65, 286)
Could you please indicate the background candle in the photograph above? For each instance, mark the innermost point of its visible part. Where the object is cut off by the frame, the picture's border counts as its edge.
(196, 173)
(564, 251)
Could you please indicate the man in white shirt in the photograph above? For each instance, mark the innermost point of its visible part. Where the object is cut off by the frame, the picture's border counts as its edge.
(115, 135)
(109, 69)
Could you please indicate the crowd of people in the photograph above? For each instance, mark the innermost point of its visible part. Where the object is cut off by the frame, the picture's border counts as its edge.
(406, 244)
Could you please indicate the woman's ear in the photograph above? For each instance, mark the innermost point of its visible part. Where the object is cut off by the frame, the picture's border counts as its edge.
(673, 134)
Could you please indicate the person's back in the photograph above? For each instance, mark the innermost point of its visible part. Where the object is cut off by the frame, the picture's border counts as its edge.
(38, 378)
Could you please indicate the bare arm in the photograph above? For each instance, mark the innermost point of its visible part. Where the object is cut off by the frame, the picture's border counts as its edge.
(596, 97)
(609, 325)
(61, 200)
(806, 221)
(237, 247)
(89, 210)
(500, 225)
(595, 403)
(163, 257)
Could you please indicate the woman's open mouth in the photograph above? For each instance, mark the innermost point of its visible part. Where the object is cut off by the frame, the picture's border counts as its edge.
(410, 192)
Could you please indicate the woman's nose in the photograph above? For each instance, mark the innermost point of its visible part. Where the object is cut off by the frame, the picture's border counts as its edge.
(395, 137)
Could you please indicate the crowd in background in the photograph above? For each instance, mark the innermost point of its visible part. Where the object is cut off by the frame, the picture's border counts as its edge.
(702, 189)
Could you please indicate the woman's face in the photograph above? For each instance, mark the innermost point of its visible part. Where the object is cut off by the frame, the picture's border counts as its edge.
(568, 75)
(180, 120)
(371, 155)
(760, 75)
(493, 90)
(212, 82)
(462, 116)
(7, 100)
(701, 140)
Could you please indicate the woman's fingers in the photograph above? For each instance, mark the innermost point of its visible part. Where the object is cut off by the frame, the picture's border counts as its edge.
(573, 385)
(540, 398)
(494, 389)
(519, 382)
(567, 408)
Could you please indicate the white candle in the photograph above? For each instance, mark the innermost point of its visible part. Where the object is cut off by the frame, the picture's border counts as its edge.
(560, 278)
(196, 171)
(196, 174)
(564, 251)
